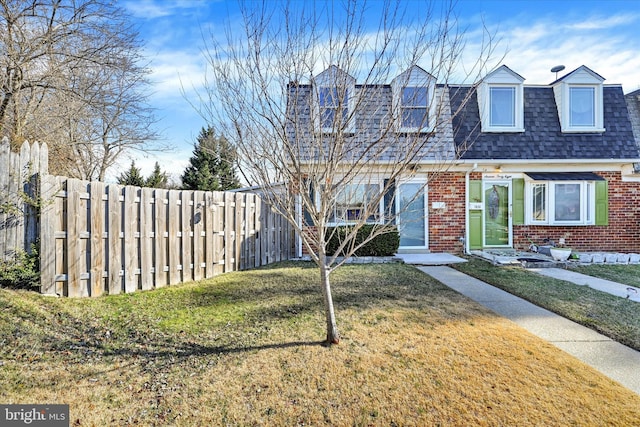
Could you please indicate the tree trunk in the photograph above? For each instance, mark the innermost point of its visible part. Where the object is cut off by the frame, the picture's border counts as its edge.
(333, 337)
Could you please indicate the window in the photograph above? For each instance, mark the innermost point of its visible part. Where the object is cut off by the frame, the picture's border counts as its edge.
(331, 105)
(582, 106)
(539, 202)
(502, 102)
(414, 109)
(352, 201)
(561, 202)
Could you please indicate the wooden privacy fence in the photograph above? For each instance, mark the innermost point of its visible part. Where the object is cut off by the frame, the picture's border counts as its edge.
(101, 239)
(19, 196)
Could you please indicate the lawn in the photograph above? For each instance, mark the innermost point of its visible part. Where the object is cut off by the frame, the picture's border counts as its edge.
(615, 317)
(244, 349)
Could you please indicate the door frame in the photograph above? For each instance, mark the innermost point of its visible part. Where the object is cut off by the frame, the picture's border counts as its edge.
(423, 182)
(485, 211)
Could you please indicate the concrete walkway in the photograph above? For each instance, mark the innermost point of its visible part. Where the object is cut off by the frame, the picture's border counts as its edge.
(618, 362)
(613, 288)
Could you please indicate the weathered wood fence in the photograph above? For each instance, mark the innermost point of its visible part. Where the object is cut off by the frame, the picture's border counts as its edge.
(98, 238)
(18, 196)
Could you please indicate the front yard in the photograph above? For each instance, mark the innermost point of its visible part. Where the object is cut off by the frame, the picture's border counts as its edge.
(244, 349)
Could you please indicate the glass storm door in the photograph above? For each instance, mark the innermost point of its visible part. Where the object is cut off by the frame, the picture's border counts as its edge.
(497, 213)
(412, 215)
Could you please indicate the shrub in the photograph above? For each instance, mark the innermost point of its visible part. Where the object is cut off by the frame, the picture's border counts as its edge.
(385, 244)
(22, 272)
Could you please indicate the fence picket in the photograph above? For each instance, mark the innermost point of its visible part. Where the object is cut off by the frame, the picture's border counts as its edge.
(160, 241)
(209, 238)
(97, 230)
(147, 235)
(72, 243)
(185, 231)
(174, 228)
(218, 214)
(130, 228)
(114, 242)
(198, 223)
(48, 192)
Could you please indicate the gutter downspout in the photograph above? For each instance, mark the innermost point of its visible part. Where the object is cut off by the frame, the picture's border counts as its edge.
(467, 249)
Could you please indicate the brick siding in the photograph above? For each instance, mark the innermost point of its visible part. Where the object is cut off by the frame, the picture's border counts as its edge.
(447, 225)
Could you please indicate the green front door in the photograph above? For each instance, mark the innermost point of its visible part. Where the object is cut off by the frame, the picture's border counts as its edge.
(497, 213)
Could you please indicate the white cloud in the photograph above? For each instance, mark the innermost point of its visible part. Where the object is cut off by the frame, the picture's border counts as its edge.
(533, 48)
(600, 22)
(174, 70)
(152, 9)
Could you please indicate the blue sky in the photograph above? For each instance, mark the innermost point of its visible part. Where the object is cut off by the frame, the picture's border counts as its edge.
(535, 35)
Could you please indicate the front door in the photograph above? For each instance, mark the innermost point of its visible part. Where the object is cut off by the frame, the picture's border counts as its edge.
(411, 205)
(497, 213)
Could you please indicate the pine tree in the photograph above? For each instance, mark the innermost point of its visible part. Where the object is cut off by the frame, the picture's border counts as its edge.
(157, 179)
(132, 176)
(212, 166)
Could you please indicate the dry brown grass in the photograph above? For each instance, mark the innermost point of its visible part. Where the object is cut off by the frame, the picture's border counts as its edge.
(413, 353)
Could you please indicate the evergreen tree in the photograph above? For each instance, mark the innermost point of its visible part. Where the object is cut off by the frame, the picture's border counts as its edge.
(212, 166)
(132, 176)
(157, 179)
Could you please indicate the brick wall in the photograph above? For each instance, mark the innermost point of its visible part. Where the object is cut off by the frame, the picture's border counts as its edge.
(447, 225)
(621, 235)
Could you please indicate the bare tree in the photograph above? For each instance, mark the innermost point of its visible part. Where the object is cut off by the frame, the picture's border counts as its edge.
(315, 97)
(71, 75)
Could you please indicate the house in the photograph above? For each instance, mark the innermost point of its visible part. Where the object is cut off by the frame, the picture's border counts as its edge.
(505, 163)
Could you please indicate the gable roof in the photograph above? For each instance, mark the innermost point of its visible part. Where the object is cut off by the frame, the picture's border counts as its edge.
(503, 69)
(542, 138)
(580, 69)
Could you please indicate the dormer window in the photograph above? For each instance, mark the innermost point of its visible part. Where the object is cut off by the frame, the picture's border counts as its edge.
(582, 106)
(500, 101)
(331, 106)
(414, 107)
(579, 101)
(414, 103)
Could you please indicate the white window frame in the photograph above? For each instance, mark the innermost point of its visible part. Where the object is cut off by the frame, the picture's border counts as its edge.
(587, 193)
(517, 109)
(511, 107)
(598, 114)
(573, 90)
(425, 126)
(346, 107)
(380, 216)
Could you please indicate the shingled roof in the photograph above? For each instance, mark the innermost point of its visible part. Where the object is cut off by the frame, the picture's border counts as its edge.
(542, 138)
